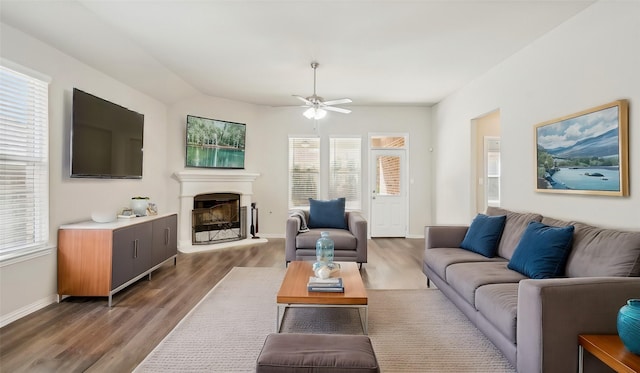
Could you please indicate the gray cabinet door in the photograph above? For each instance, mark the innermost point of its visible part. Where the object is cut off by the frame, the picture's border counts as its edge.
(165, 240)
(142, 257)
(122, 256)
(131, 254)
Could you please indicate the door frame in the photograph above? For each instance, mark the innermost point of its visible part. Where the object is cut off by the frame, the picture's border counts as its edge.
(405, 176)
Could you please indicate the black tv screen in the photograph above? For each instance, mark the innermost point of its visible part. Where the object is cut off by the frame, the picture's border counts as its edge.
(213, 143)
(106, 139)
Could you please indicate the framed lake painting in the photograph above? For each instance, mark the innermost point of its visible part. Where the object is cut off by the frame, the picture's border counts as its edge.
(213, 143)
(585, 152)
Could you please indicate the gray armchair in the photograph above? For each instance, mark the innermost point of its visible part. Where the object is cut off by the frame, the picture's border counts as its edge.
(350, 245)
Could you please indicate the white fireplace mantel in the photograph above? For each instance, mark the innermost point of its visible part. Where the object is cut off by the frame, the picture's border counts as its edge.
(215, 175)
(194, 182)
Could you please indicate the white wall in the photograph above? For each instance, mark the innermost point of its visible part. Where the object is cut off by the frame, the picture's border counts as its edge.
(589, 60)
(268, 130)
(31, 283)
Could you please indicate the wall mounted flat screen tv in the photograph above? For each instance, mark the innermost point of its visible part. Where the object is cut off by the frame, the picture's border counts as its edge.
(213, 143)
(106, 139)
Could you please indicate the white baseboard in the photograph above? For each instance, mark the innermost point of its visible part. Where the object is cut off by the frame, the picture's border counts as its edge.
(24, 311)
(415, 236)
(271, 235)
(188, 248)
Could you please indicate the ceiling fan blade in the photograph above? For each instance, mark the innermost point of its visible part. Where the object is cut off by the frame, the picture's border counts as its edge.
(337, 109)
(338, 102)
(303, 99)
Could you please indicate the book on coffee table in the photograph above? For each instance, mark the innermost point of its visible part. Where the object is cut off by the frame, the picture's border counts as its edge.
(326, 289)
(331, 281)
(329, 285)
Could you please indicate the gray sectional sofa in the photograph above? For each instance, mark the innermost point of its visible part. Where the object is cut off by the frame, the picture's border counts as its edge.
(536, 322)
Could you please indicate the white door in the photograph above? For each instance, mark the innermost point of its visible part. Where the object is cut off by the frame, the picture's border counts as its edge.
(388, 193)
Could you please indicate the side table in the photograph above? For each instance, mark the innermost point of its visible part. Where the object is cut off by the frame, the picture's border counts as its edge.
(609, 349)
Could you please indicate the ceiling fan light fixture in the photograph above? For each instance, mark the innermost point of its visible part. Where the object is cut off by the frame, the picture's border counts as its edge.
(313, 113)
(317, 106)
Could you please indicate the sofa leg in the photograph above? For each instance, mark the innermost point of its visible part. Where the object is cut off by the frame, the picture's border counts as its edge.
(359, 266)
(428, 282)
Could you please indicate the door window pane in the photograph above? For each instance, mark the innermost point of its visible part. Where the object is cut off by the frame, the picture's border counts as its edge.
(381, 142)
(388, 175)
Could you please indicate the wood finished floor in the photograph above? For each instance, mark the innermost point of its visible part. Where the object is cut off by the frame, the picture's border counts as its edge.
(82, 334)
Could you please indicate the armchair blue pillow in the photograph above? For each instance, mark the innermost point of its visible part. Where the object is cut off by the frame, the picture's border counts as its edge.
(542, 251)
(484, 234)
(327, 214)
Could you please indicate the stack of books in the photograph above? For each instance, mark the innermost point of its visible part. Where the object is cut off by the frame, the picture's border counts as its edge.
(332, 284)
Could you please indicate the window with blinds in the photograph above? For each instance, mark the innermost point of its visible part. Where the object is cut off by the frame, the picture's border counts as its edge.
(304, 170)
(345, 170)
(24, 165)
(306, 176)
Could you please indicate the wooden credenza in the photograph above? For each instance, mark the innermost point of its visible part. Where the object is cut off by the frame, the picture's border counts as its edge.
(100, 259)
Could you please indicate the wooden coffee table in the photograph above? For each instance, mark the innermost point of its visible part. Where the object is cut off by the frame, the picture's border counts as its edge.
(293, 291)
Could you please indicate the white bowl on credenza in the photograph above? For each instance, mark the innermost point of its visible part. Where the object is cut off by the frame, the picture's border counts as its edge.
(103, 216)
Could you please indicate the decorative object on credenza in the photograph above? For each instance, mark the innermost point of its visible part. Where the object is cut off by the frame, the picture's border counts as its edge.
(254, 212)
(103, 216)
(139, 205)
(213, 143)
(585, 152)
(126, 213)
(152, 209)
(629, 325)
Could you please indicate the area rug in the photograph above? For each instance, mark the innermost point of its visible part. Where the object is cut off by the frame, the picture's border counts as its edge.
(411, 330)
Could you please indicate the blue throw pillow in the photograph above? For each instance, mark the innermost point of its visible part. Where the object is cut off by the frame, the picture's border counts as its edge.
(484, 234)
(327, 214)
(542, 251)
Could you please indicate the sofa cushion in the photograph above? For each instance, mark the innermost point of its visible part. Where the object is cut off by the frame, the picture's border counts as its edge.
(327, 214)
(440, 258)
(466, 278)
(483, 234)
(342, 239)
(542, 251)
(603, 252)
(513, 228)
(498, 303)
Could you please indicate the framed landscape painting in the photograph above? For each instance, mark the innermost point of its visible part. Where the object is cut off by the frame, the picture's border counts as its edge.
(213, 143)
(585, 152)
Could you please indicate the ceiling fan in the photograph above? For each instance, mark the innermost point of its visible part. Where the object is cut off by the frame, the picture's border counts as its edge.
(317, 106)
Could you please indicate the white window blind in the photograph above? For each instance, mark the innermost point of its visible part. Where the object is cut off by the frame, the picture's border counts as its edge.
(24, 165)
(345, 171)
(304, 170)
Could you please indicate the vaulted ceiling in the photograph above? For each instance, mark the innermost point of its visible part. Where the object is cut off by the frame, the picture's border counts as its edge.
(375, 52)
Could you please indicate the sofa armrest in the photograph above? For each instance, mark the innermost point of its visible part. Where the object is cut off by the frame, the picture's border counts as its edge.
(553, 312)
(357, 225)
(444, 236)
(291, 231)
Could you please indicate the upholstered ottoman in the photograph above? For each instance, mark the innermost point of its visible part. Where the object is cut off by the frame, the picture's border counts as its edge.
(317, 353)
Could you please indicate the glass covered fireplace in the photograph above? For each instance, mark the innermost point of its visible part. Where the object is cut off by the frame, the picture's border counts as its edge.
(218, 217)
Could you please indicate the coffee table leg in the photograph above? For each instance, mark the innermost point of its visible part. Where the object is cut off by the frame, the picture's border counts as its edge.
(364, 320)
(580, 359)
(280, 317)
